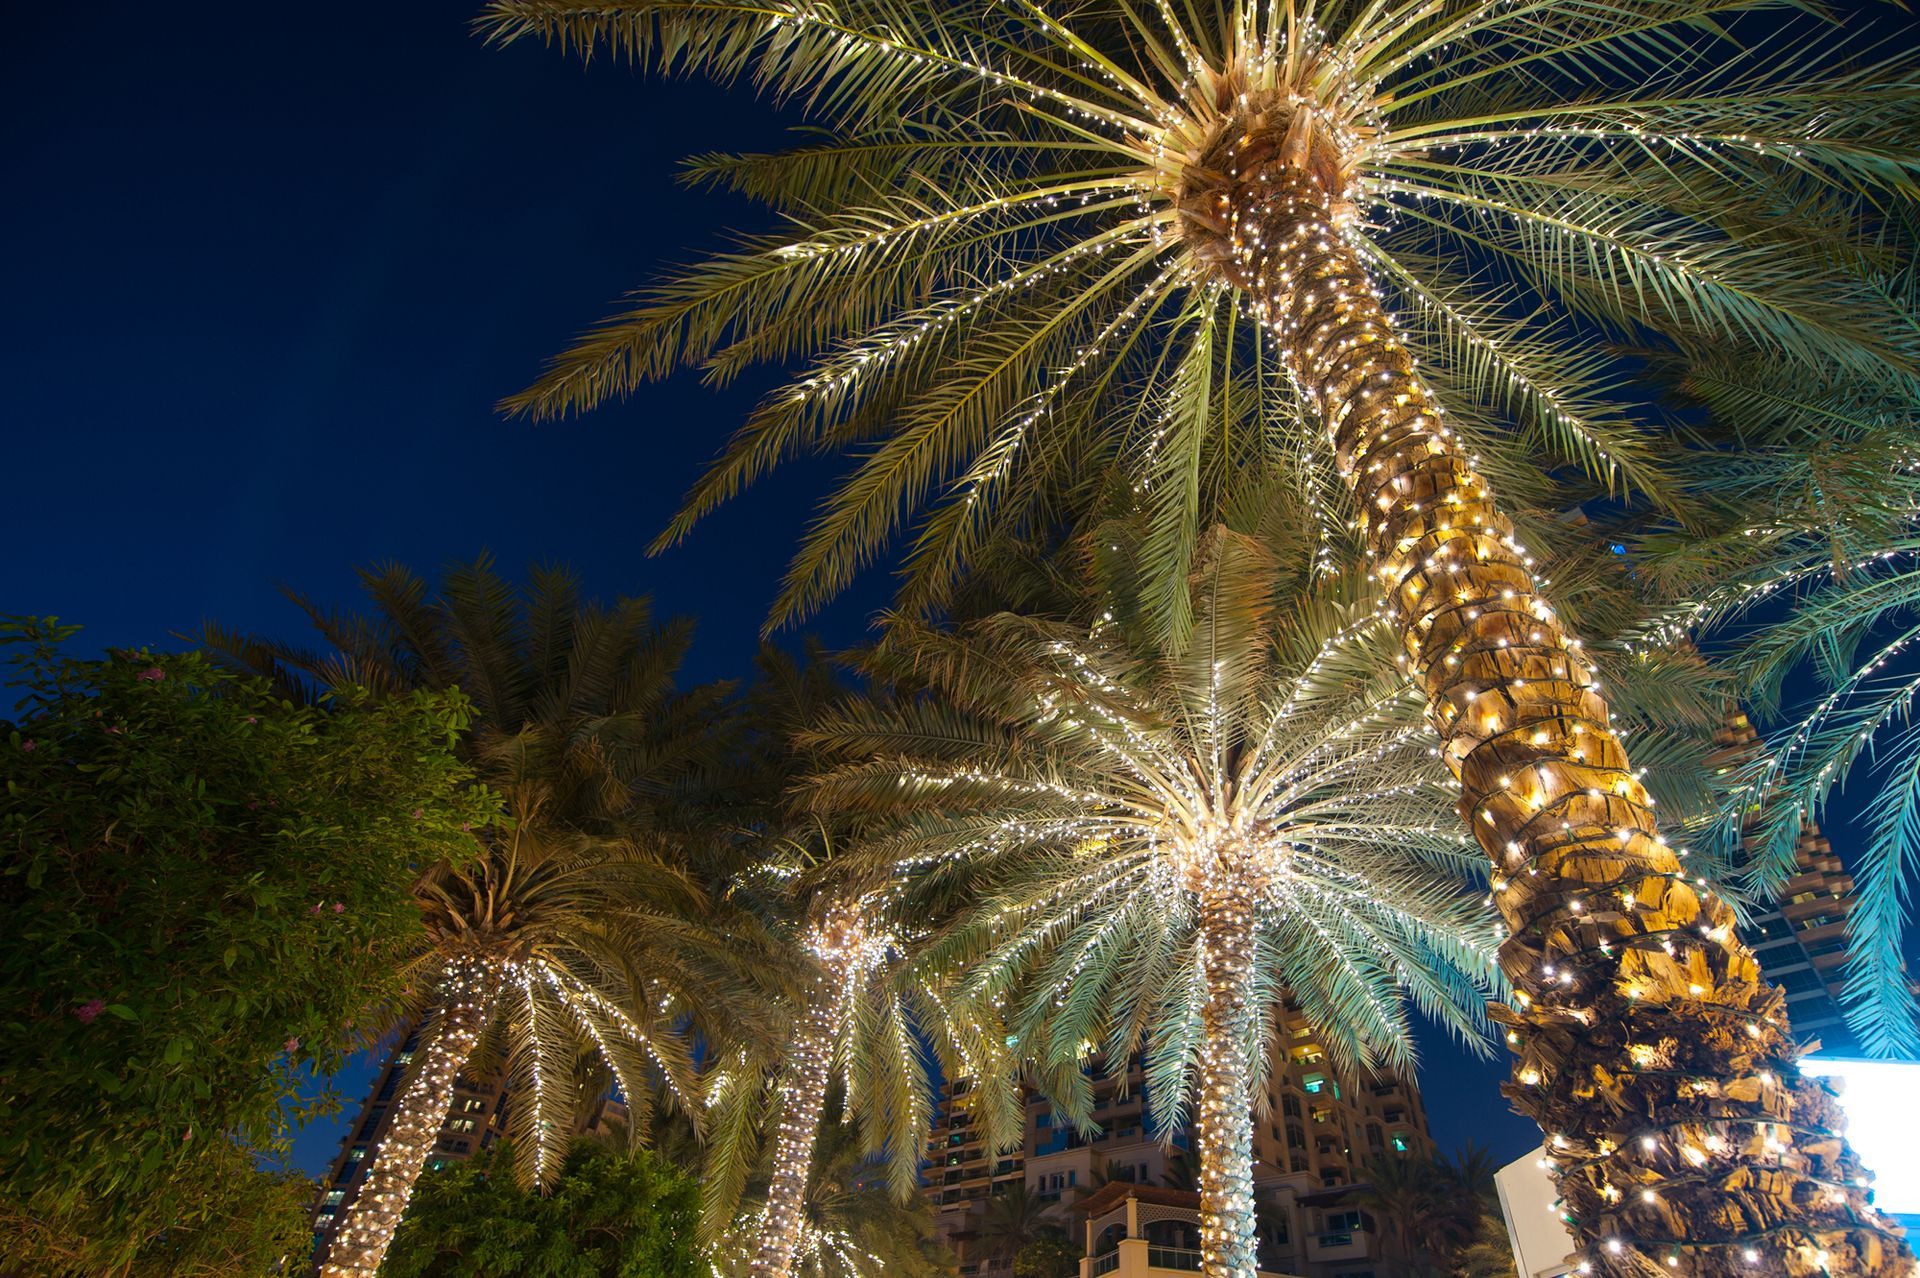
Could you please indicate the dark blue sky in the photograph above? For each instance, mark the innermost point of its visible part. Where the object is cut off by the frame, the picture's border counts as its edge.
(266, 273)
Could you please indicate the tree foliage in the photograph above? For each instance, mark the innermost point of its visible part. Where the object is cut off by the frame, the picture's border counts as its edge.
(989, 286)
(608, 1214)
(205, 885)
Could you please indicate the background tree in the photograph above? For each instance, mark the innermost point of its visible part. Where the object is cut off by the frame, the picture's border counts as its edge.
(583, 926)
(1049, 1256)
(609, 1213)
(204, 887)
(1032, 240)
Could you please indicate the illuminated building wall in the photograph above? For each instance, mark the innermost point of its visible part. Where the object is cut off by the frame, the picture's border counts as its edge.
(1313, 1135)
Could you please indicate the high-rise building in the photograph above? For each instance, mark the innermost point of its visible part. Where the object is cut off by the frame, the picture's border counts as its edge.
(1801, 942)
(1314, 1130)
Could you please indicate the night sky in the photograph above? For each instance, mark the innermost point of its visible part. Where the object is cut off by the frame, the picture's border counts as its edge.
(265, 275)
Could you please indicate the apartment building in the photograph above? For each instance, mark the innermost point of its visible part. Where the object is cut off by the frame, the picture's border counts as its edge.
(1801, 942)
(1315, 1128)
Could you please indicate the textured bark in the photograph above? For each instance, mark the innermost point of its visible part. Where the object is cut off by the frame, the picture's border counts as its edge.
(1659, 1065)
(803, 1087)
(360, 1243)
(1223, 1126)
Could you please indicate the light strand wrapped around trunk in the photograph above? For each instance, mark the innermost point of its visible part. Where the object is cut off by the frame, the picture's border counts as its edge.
(1223, 1126)
(365, 1232)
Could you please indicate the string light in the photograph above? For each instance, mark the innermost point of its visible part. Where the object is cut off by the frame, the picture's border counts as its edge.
(361, 1241)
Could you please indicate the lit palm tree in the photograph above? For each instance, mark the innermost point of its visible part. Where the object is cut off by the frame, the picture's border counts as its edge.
(580, 927)
(864, 1013)
(1191, 237)
(1156, 845)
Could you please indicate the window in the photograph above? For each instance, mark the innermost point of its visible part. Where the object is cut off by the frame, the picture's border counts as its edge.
(1401, 1143)
(1290, 1106)
(1345, 1220)
(357, 1153)
(1073, 1178)
(333, 1197)
(1313, 1084)
(323, 1221)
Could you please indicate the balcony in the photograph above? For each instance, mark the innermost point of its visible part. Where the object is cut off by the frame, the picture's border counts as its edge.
(1142, 1231)
(1137, 1258)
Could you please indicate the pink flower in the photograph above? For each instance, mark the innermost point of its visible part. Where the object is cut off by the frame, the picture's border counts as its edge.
(152, 674)
(292, 1045)
(89, 1011)
(29, 745)
(466, 825)
(315, 911)
(339, 908)
(418, 813)
(186, 1136)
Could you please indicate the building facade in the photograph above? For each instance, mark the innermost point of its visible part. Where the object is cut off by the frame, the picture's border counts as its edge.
(1314, 1130)
(1801, 942)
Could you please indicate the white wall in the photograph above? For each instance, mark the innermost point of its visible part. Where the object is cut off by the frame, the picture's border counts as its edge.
(1540, 1240)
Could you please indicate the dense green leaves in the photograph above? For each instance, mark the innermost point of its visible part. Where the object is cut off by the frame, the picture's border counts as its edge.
(609, 1214)
(204, 886)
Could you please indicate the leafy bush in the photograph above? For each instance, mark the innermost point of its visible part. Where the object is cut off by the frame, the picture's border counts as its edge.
(202, 888)
(611, 1214)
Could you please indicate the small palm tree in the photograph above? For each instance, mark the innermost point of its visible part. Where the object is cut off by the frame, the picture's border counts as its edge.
(1152, 842)
(1185, 240)
(1014, 1218)
(580, 927)
(863, 1012)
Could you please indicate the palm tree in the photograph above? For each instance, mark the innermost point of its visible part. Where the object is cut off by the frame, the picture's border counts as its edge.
(1015, 1218)
(1430, 1212)
(1188, 238)
(1153, 842)
(581, 927)
(863, 1011)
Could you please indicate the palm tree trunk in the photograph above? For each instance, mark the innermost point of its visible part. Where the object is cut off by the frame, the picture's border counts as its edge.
(1223, 1127)
(360, 1243)
(1650, 1051)
(803, 1089)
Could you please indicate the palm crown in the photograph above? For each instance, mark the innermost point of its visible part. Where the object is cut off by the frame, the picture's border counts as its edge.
(1079, 785)
(1013, 259)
